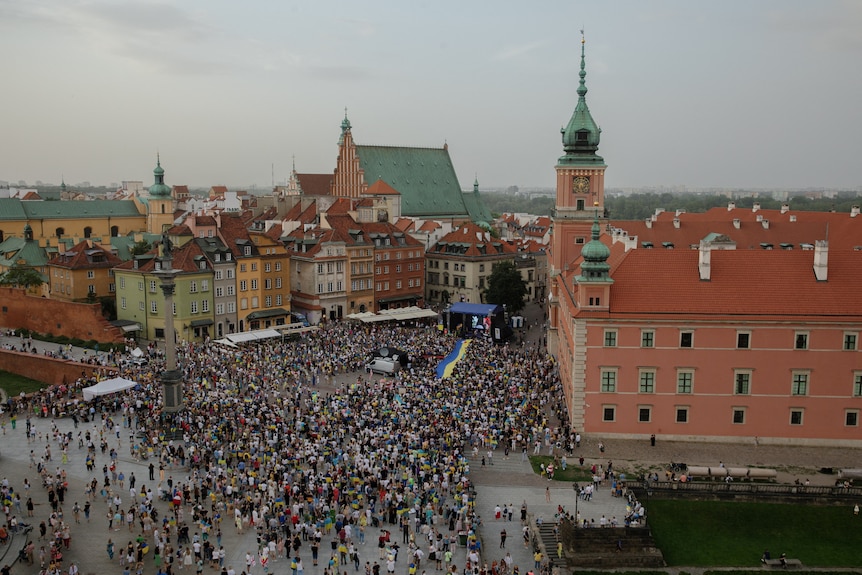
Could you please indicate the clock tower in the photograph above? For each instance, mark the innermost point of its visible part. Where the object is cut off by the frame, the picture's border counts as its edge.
(579, 207)
(580, 181)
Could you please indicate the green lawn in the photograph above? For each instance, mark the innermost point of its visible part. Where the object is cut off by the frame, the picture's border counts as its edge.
(14, 384)
(717, 534)
(572, 473)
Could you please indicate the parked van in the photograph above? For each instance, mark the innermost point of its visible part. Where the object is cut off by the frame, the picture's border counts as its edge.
(383, 365)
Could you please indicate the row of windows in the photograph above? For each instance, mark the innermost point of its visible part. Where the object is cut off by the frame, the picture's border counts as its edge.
(231, 308)
(738, 415)
(194, 306)
(455, 266)
(742, 381)
(330, 287)
(743, 339)
(255, 303)
(330, 267)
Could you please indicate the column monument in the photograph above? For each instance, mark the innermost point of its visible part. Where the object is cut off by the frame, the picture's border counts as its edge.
(172, 377)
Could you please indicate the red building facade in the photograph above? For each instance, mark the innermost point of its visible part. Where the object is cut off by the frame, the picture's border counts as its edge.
(725, 342)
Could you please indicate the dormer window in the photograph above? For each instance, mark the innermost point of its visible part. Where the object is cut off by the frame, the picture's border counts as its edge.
(583, 135)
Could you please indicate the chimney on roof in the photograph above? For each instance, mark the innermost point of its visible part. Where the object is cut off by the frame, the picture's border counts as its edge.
(854, 211)
(785, 208)
(703, 258)
(731, 206)
(765, 224)
(648, 223)
(755, 207)
(676, 223)
(821, 259)
(680, 211)
(736, 223)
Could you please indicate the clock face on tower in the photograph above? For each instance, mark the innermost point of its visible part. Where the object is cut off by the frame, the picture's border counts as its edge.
(581, 184)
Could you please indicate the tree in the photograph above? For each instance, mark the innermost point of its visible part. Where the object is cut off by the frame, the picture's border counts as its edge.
(21, 276)
(506, 287)
(140, 248)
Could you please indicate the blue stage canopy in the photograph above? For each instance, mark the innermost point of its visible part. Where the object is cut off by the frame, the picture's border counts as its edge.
(482, 309)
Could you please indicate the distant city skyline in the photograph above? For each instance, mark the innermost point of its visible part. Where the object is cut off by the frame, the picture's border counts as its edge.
(701, 95)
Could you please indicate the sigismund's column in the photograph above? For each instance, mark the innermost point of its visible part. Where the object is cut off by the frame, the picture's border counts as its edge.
(172, 377)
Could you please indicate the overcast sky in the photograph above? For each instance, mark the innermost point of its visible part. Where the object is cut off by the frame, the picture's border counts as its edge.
(728, 94)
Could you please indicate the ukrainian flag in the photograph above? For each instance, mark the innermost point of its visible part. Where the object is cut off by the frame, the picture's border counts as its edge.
(445, 367)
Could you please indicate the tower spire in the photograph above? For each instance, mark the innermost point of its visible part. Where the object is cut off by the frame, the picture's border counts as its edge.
(582, 85)
(581, 136)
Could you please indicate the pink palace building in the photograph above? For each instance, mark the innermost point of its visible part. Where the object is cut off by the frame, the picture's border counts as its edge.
(710, 335)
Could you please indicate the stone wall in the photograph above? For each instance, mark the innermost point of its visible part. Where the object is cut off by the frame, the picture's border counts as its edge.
(48, 369)
(74, 320)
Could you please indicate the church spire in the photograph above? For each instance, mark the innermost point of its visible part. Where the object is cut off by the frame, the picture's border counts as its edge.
(159, 189)
(345, 127)
(581, 136)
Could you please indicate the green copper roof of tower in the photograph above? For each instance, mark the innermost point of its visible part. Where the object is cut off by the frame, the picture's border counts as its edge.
(159, 189)
(595, 265)
(581, 136)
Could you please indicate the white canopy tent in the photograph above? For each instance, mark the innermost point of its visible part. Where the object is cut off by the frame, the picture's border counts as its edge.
(108, 386)
(397, 314)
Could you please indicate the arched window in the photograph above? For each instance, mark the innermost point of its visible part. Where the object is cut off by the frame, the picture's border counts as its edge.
(163, 208)
(59, 232)
(88, 231)
(115, 231)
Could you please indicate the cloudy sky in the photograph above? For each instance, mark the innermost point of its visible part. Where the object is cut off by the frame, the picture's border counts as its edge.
(729, 94)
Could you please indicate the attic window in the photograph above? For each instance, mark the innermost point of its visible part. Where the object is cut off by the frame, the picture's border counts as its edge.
(583, 135)
(646, 245)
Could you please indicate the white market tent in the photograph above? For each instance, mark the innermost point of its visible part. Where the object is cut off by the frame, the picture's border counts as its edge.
(108, 386)
(398, 314)
(256, 335)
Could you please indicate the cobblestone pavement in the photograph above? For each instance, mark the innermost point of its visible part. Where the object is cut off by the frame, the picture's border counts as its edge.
(507, 482)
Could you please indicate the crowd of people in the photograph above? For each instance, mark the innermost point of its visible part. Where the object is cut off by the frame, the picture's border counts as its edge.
(296, 442)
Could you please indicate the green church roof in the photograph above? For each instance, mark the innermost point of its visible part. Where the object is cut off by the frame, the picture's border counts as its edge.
(479, 213)
(425, 178)
(15, 209)
(20, 249)
(159, 189)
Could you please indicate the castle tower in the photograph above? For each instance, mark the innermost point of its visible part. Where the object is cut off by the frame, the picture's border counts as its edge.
(580, 180)
(580, 195)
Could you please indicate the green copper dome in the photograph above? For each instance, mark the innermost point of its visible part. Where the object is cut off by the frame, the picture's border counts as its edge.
(595, 266)
(159, 189)
(581, 136)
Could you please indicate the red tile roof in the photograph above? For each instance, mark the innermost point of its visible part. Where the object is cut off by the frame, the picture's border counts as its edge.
(340, 206)
(472, 240)
(429, 226)
(842, 230)
(381, 188)
(664, 283)
(315, 184)
(81, 256)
